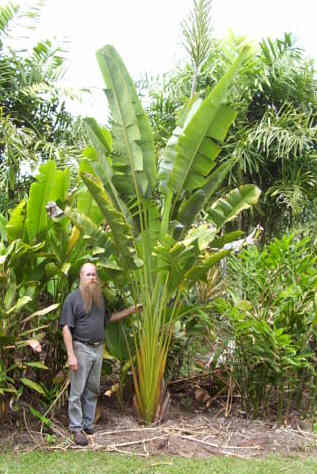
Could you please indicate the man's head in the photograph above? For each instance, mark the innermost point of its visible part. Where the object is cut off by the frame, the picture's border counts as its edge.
(90, 287)
(88, 273)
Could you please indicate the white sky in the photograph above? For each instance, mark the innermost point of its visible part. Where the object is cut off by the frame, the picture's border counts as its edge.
(146, 33)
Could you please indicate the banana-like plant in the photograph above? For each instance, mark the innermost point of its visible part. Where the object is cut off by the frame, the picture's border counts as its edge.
(39, 260)
(150, 207)
(63, 248)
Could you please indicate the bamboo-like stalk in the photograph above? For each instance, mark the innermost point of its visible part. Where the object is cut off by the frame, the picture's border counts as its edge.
(152, 340)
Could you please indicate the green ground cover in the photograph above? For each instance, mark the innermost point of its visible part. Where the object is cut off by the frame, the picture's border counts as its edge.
(97, 462)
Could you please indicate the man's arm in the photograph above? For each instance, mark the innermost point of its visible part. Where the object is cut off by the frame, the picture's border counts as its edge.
(68, 340)
(124, 313)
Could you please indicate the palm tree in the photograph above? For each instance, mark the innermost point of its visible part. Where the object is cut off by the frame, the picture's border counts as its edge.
(274, 137)
(33, 118)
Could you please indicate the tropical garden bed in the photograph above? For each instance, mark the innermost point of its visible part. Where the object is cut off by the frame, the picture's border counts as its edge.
(192, 432)
(153, 205)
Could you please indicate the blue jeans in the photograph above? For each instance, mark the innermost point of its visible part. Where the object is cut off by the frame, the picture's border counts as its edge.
(84, 386)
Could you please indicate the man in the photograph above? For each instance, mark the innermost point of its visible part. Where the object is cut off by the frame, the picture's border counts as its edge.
(83, 320)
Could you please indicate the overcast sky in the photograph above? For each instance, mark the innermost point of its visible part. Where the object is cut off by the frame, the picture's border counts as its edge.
(146, 33)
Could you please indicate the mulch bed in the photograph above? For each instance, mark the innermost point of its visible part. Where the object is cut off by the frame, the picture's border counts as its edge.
(198, 432)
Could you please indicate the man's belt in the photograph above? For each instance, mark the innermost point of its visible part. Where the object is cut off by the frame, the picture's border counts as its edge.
(90, 343)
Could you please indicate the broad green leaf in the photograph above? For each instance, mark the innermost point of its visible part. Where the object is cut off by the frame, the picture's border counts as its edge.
(51, 185)
(116, 342)
(33, 385)
(86, 205)
(110, 271)
(18, 249)
(101, 138)
(19, 305)
(226, 209)
(40, 195)
(227, 238)
(132, 133)
(121, 232)
(42, 312)
(190, 153)
(37, 365)
(200, 270)
(191, 207)
(61, 185)
(99, 156)
(98, 173)
(175, 259)
(204, 234)
(183, 113)
(15, 226)
(87, 227)
(40, 417)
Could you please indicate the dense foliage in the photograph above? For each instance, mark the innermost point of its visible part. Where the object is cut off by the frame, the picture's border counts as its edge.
(274, 136)
(269, 325)
(34, 123)
(155, 208)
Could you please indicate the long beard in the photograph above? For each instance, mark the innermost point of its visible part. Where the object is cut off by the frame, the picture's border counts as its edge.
(91, 294)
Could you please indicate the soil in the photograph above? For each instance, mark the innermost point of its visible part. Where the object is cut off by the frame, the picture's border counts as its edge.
(194, 432)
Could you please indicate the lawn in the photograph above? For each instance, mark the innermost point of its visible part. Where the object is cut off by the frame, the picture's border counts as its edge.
(98, 462)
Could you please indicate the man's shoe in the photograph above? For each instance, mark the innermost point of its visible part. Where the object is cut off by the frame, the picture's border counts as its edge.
(80, 438)
(89, 431)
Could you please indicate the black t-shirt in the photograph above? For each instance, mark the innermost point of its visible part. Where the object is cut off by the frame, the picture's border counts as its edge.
(85, 327)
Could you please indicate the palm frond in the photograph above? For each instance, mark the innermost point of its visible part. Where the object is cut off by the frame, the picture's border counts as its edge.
(196, 29)
(7, 13)
(284, 133)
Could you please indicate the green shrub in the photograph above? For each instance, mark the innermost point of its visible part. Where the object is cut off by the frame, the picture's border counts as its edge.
(271, 318)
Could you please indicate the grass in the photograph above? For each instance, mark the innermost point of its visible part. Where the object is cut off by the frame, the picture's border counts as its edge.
(97, 463)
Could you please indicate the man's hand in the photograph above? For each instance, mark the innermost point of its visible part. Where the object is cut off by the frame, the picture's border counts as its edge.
(68, 339)
(72, 362)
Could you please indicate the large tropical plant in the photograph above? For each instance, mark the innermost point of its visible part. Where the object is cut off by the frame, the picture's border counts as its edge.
(63, 248)
(151, 206)
(39, 262)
